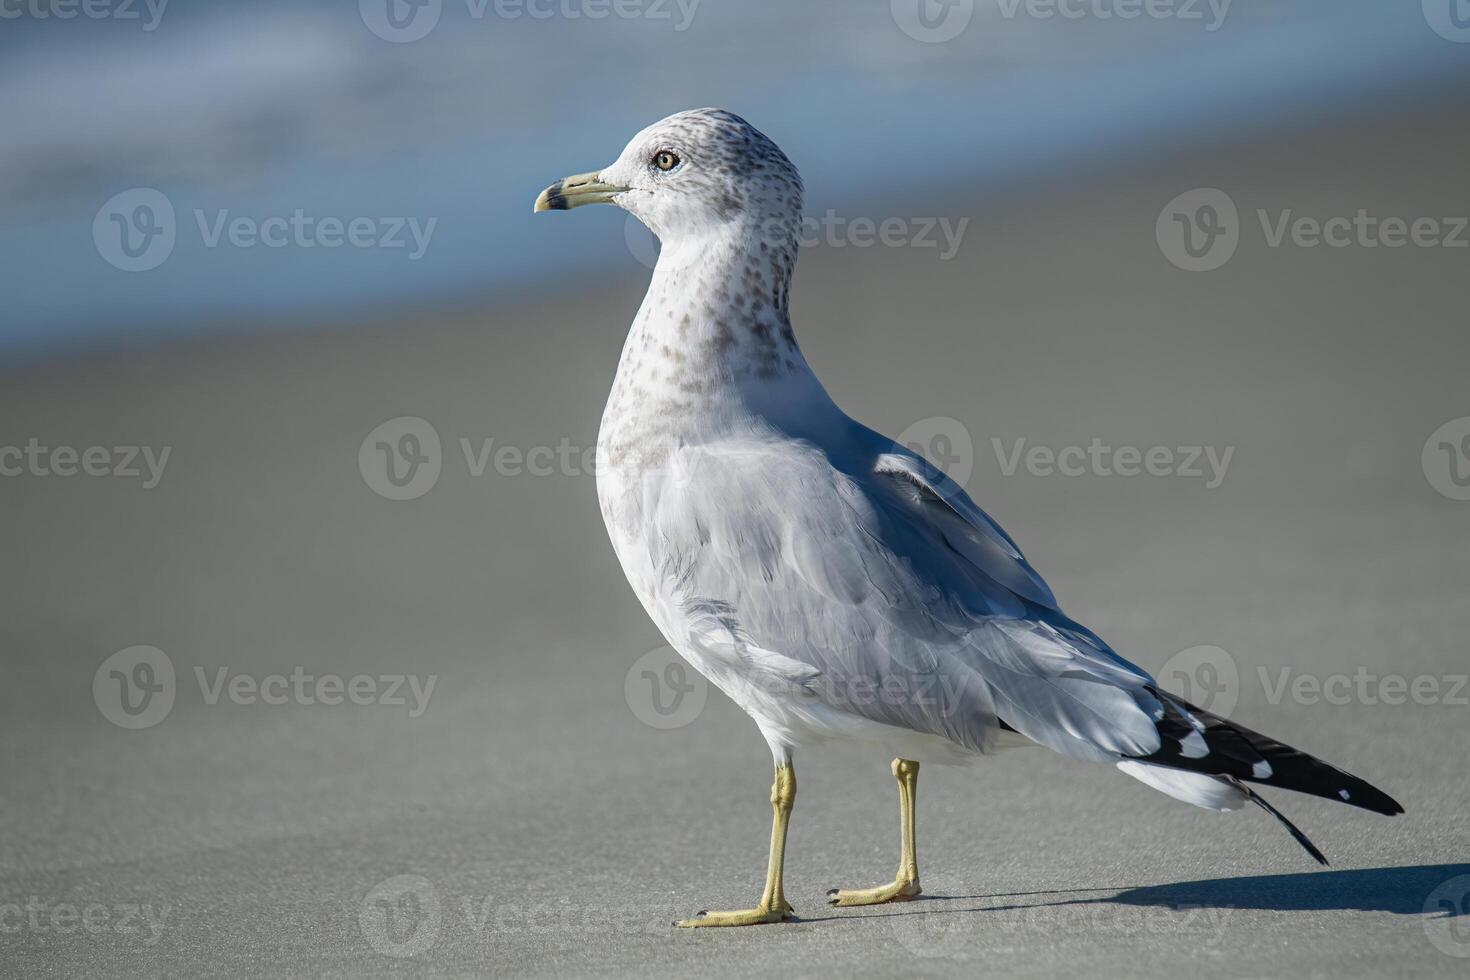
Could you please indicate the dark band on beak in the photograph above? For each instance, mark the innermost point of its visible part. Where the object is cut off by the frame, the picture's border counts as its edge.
(553, 199)
(574, 191)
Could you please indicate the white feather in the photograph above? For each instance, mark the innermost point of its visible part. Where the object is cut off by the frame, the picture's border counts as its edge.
(1191, 787)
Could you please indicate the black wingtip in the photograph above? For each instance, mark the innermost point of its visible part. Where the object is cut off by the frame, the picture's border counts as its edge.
(1249, 756)
(1362, 794)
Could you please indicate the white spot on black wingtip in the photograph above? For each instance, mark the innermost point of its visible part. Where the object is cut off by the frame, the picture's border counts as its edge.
(1343, 793)
(1192, 746)
(1262, 770)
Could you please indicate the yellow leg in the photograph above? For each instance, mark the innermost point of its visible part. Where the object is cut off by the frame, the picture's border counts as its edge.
(773, 906)
(905, 885)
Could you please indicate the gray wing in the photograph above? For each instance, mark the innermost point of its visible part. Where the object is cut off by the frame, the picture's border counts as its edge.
(871, 579)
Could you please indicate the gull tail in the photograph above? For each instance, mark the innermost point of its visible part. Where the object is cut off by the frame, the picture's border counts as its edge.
(1207, 761)
(1197, 741)
(1291, 828)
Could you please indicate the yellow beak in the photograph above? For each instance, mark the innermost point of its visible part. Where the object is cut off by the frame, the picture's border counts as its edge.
(574, 191)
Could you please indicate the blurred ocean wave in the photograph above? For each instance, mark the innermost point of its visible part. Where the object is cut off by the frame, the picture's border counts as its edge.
(276, 108)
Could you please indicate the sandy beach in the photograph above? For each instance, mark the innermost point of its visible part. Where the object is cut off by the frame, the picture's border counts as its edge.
(514, 771)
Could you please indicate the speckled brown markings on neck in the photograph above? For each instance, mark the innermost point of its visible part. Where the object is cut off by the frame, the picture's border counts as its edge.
(703, 333)
(714, 323)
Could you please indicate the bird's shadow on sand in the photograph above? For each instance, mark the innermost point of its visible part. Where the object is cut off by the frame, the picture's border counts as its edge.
(1403, 891)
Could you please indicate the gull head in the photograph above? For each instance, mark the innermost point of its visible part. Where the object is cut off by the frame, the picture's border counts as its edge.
(695, 174)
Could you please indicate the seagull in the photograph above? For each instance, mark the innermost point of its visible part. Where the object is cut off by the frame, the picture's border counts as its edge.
(830, 581)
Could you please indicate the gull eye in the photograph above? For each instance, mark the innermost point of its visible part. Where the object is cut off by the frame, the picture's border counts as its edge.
(666, 160)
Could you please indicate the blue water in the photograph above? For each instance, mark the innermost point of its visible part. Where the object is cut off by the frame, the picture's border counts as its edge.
(262, 110)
